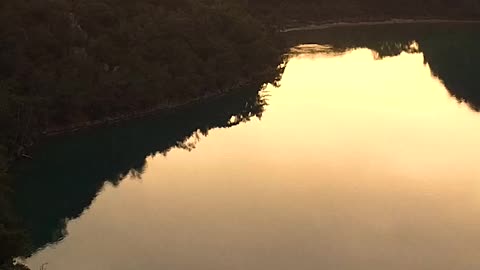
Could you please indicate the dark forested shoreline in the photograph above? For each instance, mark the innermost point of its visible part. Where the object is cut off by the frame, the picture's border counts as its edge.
(67, 64)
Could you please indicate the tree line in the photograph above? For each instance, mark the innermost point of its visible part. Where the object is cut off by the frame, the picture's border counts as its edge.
(307, 11)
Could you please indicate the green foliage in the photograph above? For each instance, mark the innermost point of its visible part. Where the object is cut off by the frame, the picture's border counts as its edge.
(70, 61)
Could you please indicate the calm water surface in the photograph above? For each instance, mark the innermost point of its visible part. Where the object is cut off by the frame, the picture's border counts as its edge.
(359, 161)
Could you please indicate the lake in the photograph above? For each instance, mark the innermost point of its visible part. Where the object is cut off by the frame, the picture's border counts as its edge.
(365, 156)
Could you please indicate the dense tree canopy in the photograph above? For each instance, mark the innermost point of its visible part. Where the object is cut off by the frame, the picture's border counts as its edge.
(65, 61)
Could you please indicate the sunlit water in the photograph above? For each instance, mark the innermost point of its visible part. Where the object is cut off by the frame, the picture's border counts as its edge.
(357, 163)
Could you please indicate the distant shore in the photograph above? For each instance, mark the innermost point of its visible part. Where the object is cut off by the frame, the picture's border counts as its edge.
(330, 24)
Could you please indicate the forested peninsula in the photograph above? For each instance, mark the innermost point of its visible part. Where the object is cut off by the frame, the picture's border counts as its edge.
(72, 63)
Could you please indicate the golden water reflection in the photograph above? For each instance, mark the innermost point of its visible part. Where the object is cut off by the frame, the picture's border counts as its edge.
(357, 163)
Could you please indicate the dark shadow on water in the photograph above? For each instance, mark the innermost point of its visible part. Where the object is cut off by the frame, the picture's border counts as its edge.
(68, 172)
(452, 50)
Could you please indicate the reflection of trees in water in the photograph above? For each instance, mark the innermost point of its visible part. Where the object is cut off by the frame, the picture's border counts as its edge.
(450, 50)
(67, 174)
(455, 64)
